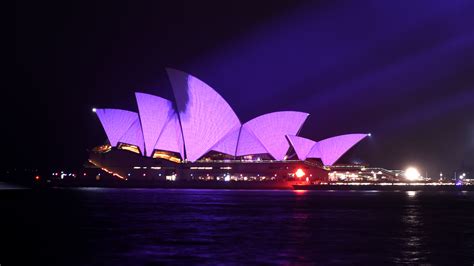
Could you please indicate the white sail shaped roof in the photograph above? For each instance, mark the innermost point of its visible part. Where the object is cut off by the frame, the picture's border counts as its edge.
(204, 115)
(116, 122)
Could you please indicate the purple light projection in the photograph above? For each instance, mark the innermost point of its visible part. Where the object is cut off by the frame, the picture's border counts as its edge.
(204, 115)
(314, 152)
(170, 138)
(249, 143)
(301, 145)
(271, 129)
(329, 150)
(228, 144)
(134, 136)
(116, 122)
(154, 113)
(208, 123)
(332, 149)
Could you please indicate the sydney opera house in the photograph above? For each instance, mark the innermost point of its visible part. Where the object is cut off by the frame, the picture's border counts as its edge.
(198, 137)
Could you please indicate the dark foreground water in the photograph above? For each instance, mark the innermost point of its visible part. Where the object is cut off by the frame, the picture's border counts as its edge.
(186, 227)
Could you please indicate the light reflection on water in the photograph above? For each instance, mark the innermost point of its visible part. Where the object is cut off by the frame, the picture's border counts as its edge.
(141, 226)
(414, 249)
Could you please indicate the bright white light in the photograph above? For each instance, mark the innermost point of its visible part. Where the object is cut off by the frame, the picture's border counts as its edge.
(411, 173)
(370, 134)
(411, 193)
(94, 110)
(227, 178)
(299, 173)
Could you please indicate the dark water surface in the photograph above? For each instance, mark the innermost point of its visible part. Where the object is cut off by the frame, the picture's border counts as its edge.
(96, 226)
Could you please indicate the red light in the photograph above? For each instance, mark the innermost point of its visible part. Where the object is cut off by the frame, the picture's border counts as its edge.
(37, 177)
(300, 192)
(300, 173)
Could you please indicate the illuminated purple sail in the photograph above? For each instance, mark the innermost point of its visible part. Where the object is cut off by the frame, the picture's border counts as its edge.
(332, 149)
(203, 121)
(115, 122)
(204, 115)
(154, 113)
(271, 130)
(328, 150)
(249, 144)
(314, 152)
(134, 136)
(301, 145)
(228, 144)
(170, 138)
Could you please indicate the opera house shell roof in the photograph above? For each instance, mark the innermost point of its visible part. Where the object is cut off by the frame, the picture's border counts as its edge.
(200, 121)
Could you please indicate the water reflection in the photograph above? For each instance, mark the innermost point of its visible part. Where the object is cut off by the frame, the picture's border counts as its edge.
(215, 227)
(300, 192)
(413, 235)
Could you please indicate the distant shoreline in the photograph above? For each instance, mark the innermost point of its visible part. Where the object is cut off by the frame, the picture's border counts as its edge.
(386, 187)
(239, 185)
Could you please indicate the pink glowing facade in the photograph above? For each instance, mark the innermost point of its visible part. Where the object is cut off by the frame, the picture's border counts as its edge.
(201, 121)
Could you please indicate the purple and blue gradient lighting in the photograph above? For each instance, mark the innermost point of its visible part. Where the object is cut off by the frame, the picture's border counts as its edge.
(204, 115)
(116, 122)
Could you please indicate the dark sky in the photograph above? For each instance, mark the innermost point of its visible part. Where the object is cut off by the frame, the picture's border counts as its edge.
(402, 70)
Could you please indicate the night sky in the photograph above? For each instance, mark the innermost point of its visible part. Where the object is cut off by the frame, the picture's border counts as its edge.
(402, 70)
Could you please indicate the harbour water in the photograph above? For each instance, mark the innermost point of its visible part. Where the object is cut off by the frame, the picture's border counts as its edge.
(104, 226)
